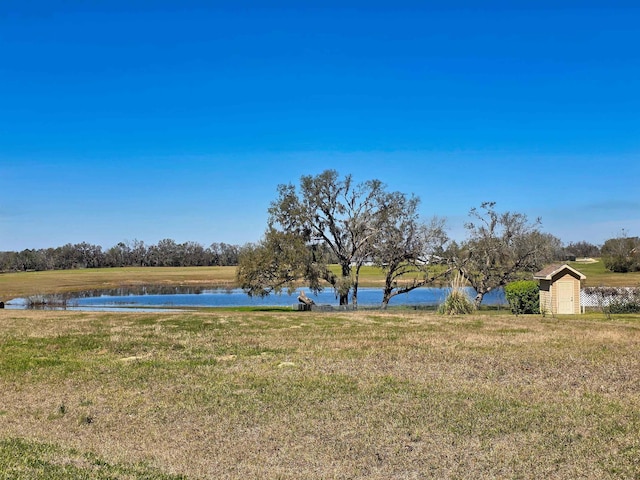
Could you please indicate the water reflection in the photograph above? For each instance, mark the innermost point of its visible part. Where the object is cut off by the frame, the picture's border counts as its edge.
(141, 290)
(163, 296)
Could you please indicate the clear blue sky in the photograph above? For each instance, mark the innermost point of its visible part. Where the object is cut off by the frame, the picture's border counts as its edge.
(177, 119)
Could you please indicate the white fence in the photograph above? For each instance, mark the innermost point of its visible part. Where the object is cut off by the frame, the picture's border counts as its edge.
(597, 297)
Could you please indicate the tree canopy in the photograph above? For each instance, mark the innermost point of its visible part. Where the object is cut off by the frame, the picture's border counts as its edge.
(409, 251)
(500, 248)
(166, 253)
(329, 217)
(622, 254)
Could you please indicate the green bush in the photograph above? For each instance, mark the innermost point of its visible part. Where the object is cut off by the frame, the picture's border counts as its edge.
(627, 301)
(616, 300)
(523, 296)
(624, 307)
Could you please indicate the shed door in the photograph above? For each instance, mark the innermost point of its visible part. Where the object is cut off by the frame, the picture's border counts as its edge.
(565, 297)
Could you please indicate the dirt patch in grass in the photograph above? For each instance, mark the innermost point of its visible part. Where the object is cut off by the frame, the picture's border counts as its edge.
(339, 395)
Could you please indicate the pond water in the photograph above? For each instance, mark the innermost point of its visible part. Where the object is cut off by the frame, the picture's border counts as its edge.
(148, 298)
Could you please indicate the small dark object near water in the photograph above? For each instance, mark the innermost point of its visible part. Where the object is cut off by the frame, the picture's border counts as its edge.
(1, 304)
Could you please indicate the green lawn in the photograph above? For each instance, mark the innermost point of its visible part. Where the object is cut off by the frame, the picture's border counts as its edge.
(597, 275)
(289, 395)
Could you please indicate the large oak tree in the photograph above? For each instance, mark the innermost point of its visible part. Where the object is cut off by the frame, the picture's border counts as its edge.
(326, 219)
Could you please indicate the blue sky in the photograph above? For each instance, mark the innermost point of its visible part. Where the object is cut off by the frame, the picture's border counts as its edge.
(165, 119)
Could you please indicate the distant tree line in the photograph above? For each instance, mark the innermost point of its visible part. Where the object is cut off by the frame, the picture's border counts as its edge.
(166, 253)
(619, 254)
(581, 250)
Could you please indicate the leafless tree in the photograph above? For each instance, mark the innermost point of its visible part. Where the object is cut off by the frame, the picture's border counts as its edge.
(501, 247)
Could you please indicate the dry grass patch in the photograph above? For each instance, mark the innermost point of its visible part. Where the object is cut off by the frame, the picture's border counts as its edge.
(311, 395)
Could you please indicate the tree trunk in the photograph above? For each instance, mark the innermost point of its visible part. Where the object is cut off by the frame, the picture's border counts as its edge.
(344, 299)
(385, 300)
(346, 278)
(354, 299)
(386, 294)
(478, 299)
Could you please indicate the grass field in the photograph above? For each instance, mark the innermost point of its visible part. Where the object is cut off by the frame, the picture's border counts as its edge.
(291, 395)
(23, 284)
(597, 275)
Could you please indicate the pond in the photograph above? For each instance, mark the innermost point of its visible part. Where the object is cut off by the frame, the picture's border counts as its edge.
(177, 297)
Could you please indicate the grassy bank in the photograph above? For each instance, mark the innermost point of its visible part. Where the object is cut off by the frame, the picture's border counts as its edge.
(24, 284)
(308, 395)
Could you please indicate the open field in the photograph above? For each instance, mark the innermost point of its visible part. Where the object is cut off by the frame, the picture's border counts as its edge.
(290, 395)
(24, 284)
(597, 275)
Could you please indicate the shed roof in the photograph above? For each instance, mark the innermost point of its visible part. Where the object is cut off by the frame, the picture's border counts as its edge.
(549, 272)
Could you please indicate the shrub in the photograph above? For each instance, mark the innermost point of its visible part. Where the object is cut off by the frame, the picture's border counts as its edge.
(625, 307)
(627, 301)
(616, 300)
(523, 296)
